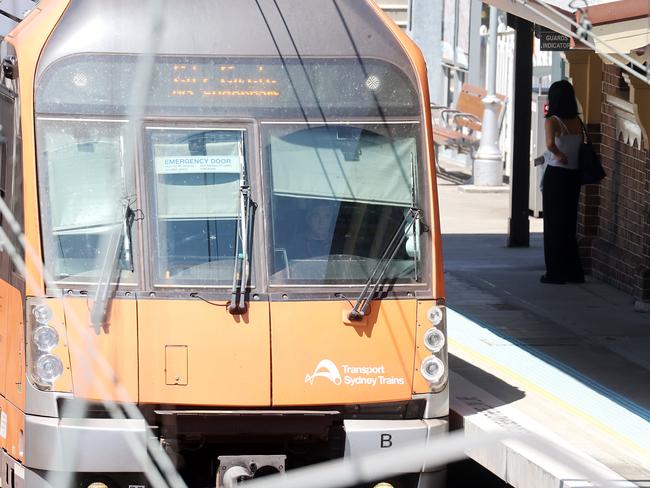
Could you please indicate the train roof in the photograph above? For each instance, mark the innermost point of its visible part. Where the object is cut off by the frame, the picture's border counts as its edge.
(226, 28)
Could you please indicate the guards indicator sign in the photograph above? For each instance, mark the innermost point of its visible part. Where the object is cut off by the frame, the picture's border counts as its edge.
(552, 41)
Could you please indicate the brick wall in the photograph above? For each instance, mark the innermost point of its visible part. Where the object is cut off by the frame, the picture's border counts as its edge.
(614, 227)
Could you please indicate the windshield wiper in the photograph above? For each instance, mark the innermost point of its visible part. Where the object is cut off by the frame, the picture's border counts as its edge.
(376, 277)
(241, 272)
(129, 218)
(119, 241)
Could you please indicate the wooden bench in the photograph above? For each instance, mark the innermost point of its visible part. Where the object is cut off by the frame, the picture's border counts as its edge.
(460, 128)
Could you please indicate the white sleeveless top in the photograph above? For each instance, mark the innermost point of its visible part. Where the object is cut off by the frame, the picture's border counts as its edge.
(569, 144)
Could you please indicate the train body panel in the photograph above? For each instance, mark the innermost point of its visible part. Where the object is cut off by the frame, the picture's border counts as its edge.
(4, 351)
(15, 372)
(27, 41)
(196, 353)
(322, 358)
(104, 365)
(12, 429)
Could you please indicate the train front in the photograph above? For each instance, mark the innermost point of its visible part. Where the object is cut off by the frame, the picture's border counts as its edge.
(237, 213)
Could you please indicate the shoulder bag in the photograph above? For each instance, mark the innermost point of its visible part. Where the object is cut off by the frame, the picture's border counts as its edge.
(591, 171)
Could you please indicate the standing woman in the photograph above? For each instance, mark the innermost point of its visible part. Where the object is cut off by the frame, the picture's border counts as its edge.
(561, 186)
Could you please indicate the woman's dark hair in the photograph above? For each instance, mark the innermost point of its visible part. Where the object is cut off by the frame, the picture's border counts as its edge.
(562, 100)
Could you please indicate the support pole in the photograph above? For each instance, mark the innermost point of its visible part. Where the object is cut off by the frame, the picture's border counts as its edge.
(426, 31)
(488, 162)
(518, 224)
(474, 75)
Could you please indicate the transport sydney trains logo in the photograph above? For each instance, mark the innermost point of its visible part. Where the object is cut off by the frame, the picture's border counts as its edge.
(352, 375)
(325, 369)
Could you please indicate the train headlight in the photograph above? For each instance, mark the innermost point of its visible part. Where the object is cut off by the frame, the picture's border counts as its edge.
(48, 369)
(435, 315)
(47, 357)
(434, 339)
(432, 369)
(42, 314)
(431, 348)
(45, 338)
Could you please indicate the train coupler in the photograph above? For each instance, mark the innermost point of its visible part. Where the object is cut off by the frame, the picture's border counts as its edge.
(233, 469)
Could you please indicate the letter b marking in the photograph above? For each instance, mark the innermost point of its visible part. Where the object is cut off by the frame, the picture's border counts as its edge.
(386, 441)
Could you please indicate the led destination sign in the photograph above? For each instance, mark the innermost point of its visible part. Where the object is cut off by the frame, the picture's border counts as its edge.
(104, 84)
(224, 81)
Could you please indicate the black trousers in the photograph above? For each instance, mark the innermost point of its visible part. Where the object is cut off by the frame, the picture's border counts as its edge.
(560, 196)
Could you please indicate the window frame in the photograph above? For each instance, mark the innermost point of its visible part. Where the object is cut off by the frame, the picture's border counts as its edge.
(425, 266)
(119, 107)
(147, 173)
(47, 235)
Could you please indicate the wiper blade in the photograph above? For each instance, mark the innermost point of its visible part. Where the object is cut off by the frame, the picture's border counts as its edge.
(241, 272)
(119, 239)
(129, 218)
(376, 277)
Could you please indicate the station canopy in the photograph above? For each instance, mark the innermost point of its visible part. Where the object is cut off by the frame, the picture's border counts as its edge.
(619, 26)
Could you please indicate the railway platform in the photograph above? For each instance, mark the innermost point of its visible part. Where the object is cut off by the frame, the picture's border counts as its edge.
(569, 363)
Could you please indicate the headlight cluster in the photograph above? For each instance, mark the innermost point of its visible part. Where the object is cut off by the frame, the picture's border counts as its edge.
(46, 367)
(434, 366)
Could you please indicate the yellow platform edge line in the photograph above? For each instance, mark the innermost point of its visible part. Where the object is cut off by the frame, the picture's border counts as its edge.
(529, 385)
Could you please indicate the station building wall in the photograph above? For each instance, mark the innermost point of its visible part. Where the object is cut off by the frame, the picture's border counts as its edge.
(614, 224)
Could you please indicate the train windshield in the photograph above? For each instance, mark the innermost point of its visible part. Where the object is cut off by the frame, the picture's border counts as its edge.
(339, 194)
(196, 176)
(336, 190)
(86, 194)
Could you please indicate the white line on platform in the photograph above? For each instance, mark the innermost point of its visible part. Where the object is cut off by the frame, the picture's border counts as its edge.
(568, 389)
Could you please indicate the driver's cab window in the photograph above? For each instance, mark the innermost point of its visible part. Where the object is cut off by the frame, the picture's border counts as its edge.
(84, 191)
(196, 179)
(339, 195)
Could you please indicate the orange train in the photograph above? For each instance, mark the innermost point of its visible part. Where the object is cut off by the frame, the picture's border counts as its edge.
(234, 204)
